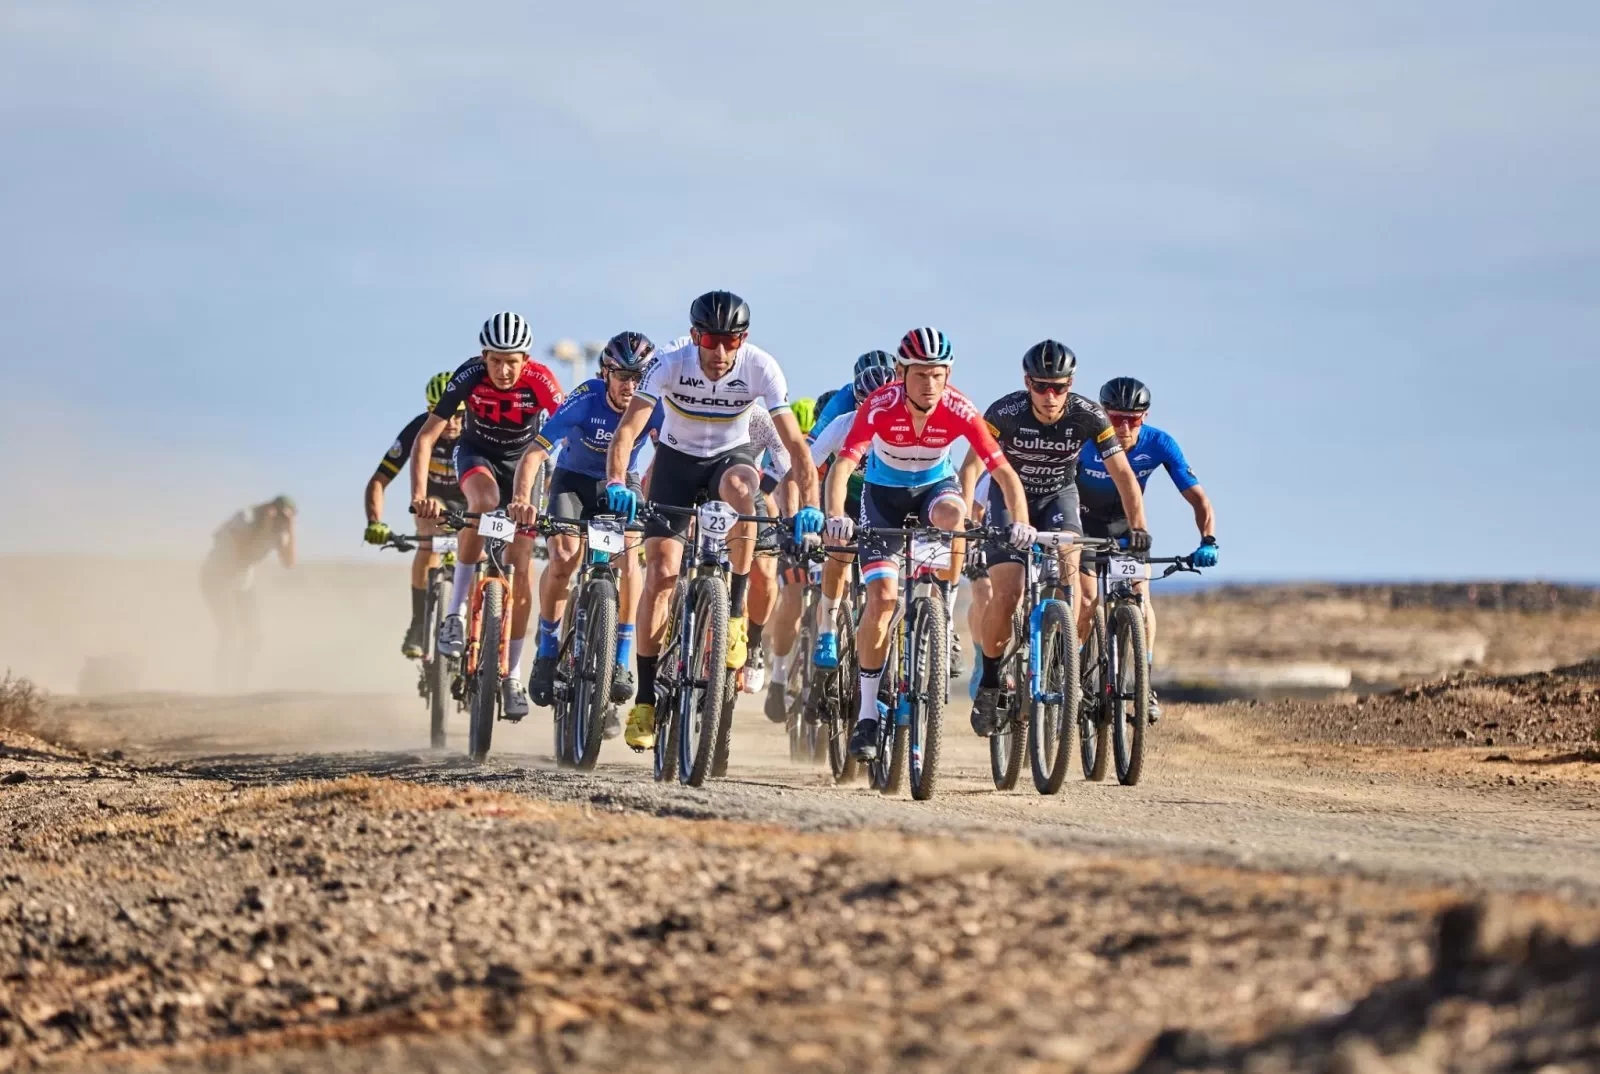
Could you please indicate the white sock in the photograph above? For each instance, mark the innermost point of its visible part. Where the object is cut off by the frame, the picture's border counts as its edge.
(827, 610)
(516, 657)
(950, 601)
(869, 694)
(462, 587)
(780, 668)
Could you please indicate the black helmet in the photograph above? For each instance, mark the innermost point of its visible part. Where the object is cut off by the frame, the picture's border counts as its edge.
(721, 313)
(628, 351)
(824, 399)
(1125, 393)
(1049, 360)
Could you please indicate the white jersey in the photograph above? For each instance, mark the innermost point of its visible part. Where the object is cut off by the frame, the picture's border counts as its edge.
(832, 438)
(705, 417)
(764, 438)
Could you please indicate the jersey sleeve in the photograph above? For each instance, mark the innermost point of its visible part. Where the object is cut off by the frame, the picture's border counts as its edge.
(546, 389)
(842, 403)
(656, 381)
(859, 437)
(774, 387)
(400, 451)
(1096, 429)
(832, 438)
(976, 431)
(1178, 468)
(560, 423)
(461, 384)
(991, 417)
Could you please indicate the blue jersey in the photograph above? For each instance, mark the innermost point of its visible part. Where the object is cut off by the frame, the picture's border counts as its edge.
(584, 426)
(843, 402)
(1097, 493)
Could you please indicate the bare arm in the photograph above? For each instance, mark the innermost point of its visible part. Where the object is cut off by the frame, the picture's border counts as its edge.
(839, 484)
(801, 468)
(632, 424)
(421, 452)
(1205, 519)
(1127, 483)
(1011, 488)
(286, 543)
(522, 508)
(373, 499)
(971, 470)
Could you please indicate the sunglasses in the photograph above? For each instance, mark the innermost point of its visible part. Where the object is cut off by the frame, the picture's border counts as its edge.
(1125, 417)
(1049, 387)
(625, 376)
(712, 340)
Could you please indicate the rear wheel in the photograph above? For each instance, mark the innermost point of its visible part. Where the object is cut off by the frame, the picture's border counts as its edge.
(700, 704)
(930, 679)
(436, 674)
(1051, 713)
(888, 771)
(594, 655)
(1131, 707)
(486, 688)
(1094, 706)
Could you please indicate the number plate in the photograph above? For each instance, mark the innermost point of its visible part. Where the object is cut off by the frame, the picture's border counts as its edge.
(606, 537)
(930, 552)
(498, 526)
(444, 544)
(1126, 567)
(717, 519)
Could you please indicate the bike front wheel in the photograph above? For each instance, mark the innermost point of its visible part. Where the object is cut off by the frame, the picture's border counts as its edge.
(1054, 703)
(700, 700)
(929, 681)
(486, 685)
(1131, 699)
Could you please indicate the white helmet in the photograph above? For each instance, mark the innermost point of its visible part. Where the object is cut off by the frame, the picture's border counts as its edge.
(506, 332)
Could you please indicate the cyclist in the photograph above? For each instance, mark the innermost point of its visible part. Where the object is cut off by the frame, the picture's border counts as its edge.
(777, 497)
(506, 396)
(1147, 449)
(848, 397)
(910, 428)
(245, 539)
(442, 486)
(1042, 430)
(584, 426)
(708, 384)
(791, 582)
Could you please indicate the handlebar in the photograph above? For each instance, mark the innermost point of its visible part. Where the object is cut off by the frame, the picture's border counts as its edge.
(690, 512)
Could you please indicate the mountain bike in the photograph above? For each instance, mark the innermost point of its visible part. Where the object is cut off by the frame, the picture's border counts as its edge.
(586, 659)
(1039, 674)
(485, 660)
(834, 694)
(807, 735)
(692, 675)
(1116, 664)
(919, 656)
(435, 673)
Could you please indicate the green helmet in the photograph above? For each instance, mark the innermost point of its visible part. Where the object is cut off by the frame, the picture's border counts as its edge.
(283, 503)
(805, 413)
(436, 386)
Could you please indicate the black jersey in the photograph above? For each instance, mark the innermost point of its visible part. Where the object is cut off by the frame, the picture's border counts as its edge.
(1046, 456)
(500, 424)
(441, 464)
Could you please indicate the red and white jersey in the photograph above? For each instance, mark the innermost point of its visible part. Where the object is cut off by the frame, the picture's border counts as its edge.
(903, 457)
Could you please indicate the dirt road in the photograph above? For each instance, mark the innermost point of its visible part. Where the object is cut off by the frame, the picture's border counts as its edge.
(290, 882)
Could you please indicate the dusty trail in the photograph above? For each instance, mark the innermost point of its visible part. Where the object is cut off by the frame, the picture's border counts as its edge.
(287, 882)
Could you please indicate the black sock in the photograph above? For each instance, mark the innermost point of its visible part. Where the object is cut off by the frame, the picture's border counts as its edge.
(754, 634)
(419, 603)
(991, 671)
(741, 582)
(646, 694)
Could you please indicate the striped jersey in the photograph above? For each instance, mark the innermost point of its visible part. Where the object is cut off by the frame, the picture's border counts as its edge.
(705, 417)
(903, 457)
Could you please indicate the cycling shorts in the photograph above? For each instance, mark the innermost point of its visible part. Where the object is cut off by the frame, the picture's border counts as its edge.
(682, 480)
(471, 460)
(888, 506)
(1050, 512)
(578, 496)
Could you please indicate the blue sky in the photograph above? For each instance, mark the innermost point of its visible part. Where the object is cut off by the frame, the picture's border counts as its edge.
(1354, 251)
